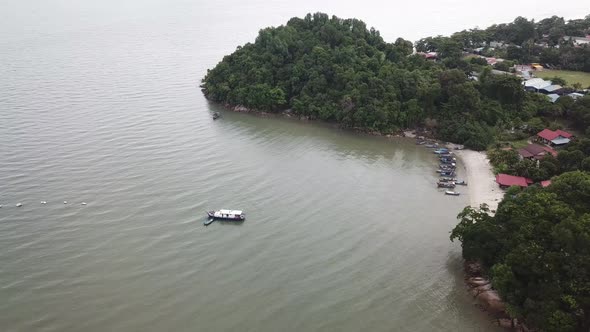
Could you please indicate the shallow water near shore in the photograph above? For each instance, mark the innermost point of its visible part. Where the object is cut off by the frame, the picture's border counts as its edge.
(99, 103)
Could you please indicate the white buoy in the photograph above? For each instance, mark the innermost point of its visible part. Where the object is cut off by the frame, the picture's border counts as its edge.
(83, 203)
(43, 202)
(65, 202)
(19, 204)
(0, 206)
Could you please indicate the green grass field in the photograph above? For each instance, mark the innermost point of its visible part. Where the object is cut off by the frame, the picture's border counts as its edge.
(570, 77)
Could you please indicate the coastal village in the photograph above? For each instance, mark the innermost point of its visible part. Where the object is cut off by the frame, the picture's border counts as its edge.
(547, 142)
(513, 100)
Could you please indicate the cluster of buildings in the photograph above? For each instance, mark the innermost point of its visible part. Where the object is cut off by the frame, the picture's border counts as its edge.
(553, 91)
(578, 41)
(548, 139)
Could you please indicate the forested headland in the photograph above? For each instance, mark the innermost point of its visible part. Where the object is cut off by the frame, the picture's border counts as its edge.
(536, 247)
(338, 70)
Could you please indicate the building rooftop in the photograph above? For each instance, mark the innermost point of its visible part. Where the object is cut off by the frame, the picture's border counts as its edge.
(551, 88)
(560, 141)
(551, 135)
(537, 83)
(576, 95)
(511, 180)
(563, 133)
(536, 151)
(553, 97)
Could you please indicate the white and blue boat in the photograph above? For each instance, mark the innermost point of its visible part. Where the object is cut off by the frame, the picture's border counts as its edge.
(235, 215)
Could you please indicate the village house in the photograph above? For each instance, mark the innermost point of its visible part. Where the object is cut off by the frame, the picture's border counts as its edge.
(536, 152)
(524, 71)
(495, 44)
(505, 181)
(553, 97)
(429, 55)
(492, 61)
(578, 41)
(535, 84)
(576, 95)
(554, 138)
(552, 89)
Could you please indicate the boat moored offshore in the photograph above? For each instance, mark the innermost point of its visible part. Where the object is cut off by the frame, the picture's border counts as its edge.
(236, 215)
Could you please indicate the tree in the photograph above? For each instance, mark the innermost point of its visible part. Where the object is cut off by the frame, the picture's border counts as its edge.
(558, 80)
(573, 188)
(405, 47)
(570, 161)
(537, 251)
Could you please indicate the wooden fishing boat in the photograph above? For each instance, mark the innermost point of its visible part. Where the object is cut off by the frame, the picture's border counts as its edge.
(451, 166)
(446, 184)
(462, 182)
(447, 179)
(452, 193)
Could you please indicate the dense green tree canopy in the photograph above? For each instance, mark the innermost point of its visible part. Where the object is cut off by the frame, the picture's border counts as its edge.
(537, 249)
(546, 41)
(337, 70)
(327, 68)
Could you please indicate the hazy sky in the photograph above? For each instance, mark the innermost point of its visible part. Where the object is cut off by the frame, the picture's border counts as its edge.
(408, 19)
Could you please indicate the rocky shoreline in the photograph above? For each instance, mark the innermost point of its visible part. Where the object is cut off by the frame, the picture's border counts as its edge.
(488, 299)
(288, 113)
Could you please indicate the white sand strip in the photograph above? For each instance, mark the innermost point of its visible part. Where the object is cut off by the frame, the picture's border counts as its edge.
(480, 179)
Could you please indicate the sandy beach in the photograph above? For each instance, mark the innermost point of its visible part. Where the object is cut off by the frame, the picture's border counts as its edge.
(480, 178)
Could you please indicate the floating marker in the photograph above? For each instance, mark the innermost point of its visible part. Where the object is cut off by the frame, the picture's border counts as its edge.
(65, 202)
(83, 203)
(43, 202)
(19, 204)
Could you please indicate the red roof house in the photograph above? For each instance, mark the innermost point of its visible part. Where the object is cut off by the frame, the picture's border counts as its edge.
(550, 150)
(536, 151)
(429, 55)
(505, 180)
(558, 137)
(563, 133)
(545, 183)
(548, 134)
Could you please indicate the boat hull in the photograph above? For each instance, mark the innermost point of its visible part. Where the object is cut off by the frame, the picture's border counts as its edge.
(212, 215)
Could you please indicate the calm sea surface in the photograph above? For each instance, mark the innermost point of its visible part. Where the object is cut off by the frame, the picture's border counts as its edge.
(99, 103)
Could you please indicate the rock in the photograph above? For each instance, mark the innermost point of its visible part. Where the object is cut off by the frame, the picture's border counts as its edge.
(491, 302)
(477, 281)
(473, 269)
(505, 323)
(409, 133)
(241, 108)
(476, 291)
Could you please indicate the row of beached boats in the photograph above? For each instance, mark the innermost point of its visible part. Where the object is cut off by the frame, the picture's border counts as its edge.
(447, 167)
